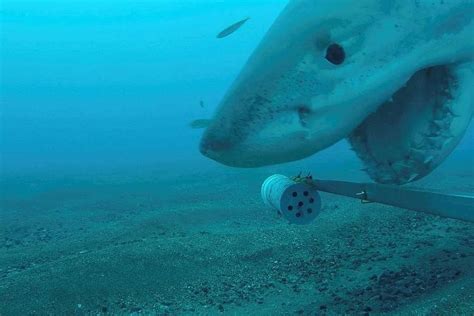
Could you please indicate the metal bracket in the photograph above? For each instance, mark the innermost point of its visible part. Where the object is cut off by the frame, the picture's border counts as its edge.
(445, 204)
(363, 197)
(303, 179)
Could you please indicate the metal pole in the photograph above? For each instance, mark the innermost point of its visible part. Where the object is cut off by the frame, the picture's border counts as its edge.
(442, 204)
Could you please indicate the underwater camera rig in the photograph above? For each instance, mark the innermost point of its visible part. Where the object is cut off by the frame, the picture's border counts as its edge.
(298, 200)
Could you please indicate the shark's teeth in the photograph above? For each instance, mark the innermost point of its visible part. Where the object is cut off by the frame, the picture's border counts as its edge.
(424, 144)
(417, 146)
(440, 125)
(399, 165)
(428, 159)
(449, 109)
(435, 144)
(444, 112)
(447, 134)
(447, 141)
(384, 178)
(429, 135)
(417, 154)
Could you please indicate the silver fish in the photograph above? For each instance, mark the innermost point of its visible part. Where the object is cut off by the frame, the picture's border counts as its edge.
(231, 29)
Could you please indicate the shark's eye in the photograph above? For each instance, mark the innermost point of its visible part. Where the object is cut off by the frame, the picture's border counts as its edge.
(335, 54)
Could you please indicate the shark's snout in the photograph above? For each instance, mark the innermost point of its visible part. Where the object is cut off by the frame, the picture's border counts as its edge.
(270, 139)
(213, 145)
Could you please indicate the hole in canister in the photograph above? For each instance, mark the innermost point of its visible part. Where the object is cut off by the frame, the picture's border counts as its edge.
(311, 200)
(295, 194)
(298, 214)
(310, 210)
(290, 207)
(300, 203)
(305, 193)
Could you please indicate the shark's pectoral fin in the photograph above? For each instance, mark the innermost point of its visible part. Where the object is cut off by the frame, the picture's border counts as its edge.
(411, 134)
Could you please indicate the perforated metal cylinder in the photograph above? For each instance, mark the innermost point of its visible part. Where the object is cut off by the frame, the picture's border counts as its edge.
(298, 202)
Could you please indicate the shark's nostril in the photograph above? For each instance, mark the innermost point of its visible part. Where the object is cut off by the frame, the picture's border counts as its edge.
(303, 112)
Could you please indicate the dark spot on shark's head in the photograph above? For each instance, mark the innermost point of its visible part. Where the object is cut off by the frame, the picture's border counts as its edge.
(303, 110)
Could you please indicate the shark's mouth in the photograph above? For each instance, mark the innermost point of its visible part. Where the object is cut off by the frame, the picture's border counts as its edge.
(412, 133)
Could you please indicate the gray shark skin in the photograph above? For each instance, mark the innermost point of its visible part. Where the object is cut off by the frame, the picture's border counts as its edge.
(403, 96)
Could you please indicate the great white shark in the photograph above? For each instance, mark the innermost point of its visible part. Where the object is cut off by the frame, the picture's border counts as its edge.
(394, 77)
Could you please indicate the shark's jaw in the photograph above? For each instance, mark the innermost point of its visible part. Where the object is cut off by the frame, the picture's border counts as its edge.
(414, 131)
(289, 102)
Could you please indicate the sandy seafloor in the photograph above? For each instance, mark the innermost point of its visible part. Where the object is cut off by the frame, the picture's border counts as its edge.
(157, 242)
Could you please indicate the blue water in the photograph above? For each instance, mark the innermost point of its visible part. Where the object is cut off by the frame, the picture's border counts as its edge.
(96, 101)
(117, 82)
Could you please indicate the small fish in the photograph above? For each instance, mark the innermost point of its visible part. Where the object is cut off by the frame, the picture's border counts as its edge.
(200, 123)
(231, 29)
